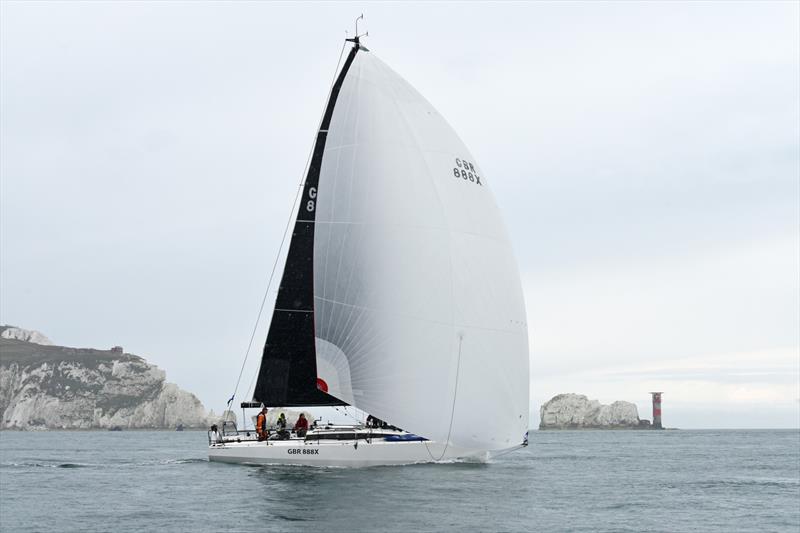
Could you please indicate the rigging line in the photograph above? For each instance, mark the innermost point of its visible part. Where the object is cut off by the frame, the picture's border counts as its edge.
(250, 387)
(453, 409)
(286, 230)
(347, 414)
(266, 293)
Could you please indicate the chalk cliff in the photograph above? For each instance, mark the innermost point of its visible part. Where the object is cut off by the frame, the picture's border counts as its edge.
(29, 335)
(54, 387)
(576, 411)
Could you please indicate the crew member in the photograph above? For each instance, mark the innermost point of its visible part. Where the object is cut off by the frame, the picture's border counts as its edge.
(375, 422)
(213, 435)
(281, 425)
(261, 424)
(301, 426)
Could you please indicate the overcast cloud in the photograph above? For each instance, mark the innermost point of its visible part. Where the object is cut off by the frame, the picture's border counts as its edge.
(646, 157)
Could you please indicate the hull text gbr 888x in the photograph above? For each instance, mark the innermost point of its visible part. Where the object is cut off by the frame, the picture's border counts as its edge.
(400, 294)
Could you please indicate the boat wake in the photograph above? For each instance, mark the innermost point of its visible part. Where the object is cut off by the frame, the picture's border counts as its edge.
(46, 464)
(33, 464)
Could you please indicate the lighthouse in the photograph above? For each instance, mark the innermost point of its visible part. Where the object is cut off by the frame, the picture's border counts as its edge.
(657, 410)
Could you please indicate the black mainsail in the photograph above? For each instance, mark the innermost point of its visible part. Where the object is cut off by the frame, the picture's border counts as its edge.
(288, 372)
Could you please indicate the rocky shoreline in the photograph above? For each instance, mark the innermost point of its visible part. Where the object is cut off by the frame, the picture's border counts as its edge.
(576, 411)
(46, 387)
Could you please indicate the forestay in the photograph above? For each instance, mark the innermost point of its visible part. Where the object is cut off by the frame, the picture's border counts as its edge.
(418, 310)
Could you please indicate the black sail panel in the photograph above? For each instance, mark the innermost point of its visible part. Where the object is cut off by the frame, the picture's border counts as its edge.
(288, 373)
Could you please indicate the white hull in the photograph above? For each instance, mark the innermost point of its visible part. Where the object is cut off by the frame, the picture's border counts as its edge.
(340, 453)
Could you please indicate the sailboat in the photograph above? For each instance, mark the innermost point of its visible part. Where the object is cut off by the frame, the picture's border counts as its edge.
(400, 294)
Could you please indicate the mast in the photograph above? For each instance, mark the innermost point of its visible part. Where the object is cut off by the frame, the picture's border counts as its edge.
(287, 375)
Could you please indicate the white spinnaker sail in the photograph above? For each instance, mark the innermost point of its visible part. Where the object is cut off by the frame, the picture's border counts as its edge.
(419, 313)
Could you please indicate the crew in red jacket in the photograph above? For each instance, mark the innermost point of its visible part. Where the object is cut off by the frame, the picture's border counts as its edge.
(301, 426)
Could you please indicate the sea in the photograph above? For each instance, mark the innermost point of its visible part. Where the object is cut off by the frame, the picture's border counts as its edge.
(597, 481)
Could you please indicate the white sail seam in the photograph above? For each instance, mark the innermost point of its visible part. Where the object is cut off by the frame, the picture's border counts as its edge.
(329, 326)
(331, 180)
(354, 97)
(348, 328)
(345, 331)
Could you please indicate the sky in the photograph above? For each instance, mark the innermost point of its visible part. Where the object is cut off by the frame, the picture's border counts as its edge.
(645, 155)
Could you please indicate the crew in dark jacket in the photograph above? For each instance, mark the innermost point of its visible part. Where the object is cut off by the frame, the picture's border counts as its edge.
(281, 425)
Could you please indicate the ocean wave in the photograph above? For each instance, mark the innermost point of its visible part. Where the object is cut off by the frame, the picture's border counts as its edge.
(35, 464)
(291, 518)
(781, 483)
